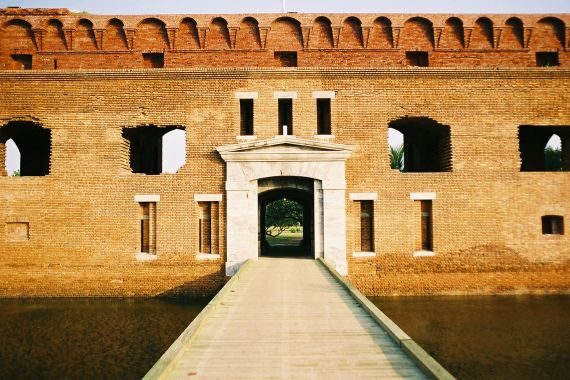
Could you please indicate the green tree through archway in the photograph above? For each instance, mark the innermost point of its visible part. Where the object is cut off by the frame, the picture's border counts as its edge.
(283, 217)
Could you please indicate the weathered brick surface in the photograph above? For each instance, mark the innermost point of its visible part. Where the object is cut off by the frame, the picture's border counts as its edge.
(84, 223)
(84, 41)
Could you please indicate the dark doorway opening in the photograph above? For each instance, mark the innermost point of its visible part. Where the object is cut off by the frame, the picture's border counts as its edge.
(286, 220)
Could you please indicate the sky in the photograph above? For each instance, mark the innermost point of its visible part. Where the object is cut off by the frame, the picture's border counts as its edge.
(314, 6)
(277, 6)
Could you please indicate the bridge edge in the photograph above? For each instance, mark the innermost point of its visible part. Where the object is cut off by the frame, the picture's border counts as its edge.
(424, 360)
(164, 363)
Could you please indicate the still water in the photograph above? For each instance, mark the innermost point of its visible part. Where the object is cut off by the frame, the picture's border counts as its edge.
(88, 338)
(489, 337)
(494, 337)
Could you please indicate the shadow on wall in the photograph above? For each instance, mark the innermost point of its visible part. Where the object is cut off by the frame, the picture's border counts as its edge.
(203, 286)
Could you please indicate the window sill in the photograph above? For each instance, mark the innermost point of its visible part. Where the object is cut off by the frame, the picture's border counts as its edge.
(363, 254)
(246, 137)
(207, 256)
(145, 256)
(324, 137)
(424, 253)
(284, 136)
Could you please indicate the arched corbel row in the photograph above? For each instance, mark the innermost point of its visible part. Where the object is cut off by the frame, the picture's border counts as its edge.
(68, 34)
(233, 35)
(99, 37)
(437, 32)
(306, 31)
(527, 36)
(467, 32)
(171, 33)
(39, 34)
(366, 29)
(263, 33)
(131, 37)
(336, 29)
(396, 31)
(497, 32)
(202, 31)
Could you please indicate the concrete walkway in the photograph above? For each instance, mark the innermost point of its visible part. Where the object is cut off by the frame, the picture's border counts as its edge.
(289, 318)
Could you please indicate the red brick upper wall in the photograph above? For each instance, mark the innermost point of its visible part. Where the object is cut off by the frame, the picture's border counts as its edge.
(57, 38)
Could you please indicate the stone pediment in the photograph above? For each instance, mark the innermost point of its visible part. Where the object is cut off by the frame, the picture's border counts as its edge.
(286, 148)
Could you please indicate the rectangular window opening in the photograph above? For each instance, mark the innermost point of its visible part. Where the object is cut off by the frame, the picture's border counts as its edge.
(552, 225)
(324, 116)
(246, 117)
(366, 226)
(148, 227)
(208, 228)
(547, 59)
(285, 116)
(153, 60)
(22, 61)
(286, 58)
(426, 225)
(417, 58)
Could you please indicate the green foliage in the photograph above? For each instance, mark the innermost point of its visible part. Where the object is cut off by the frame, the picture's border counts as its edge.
(552, 159)
(282, 214)
(295, 229)
(16, 173)
(397, 157)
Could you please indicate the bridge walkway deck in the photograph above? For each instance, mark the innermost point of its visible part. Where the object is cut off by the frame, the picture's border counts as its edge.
(289, 318)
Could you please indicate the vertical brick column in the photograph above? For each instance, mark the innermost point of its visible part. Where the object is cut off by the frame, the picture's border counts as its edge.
(2, 159)
(68, 33)
(100, 37)
(172, 37)
(39, 38)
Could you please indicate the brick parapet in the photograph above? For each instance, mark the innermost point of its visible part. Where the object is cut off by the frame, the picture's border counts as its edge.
(79, 41)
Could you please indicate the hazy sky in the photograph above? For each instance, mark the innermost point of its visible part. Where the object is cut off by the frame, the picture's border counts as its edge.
(276, 6)
(265, 6)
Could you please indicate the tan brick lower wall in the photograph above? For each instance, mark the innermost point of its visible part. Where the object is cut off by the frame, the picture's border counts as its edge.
(412, 284)
(84, 224)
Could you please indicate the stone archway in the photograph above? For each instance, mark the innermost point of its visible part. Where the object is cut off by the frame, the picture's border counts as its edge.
(285, 156)
(299, 191)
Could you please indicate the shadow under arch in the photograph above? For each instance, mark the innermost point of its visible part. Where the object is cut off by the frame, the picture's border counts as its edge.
(297, 189)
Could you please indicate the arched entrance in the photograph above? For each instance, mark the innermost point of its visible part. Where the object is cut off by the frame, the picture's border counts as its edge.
(286, 216)
(255, 167)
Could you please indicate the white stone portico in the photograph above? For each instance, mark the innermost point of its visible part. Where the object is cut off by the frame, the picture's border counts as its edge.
(285, 156)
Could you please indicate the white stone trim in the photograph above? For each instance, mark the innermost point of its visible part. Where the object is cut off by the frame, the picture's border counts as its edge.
(246, 138)
(363, 196)
(426, 196)
(324, 94)
(333, 185)
(246, 163)
(281, 136)
(207, 256)
(246, 94)
(424, 253)
(144, 198)
(363, 254)
(145, 256)
(285, 95)
(208, 197)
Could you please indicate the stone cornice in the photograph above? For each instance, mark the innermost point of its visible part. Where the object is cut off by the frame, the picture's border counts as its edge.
(285, 148)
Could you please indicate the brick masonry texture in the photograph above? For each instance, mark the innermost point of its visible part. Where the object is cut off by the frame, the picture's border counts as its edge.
(85, 41)
(83, 222)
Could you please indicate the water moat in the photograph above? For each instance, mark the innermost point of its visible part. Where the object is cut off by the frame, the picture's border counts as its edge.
(474, 337)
